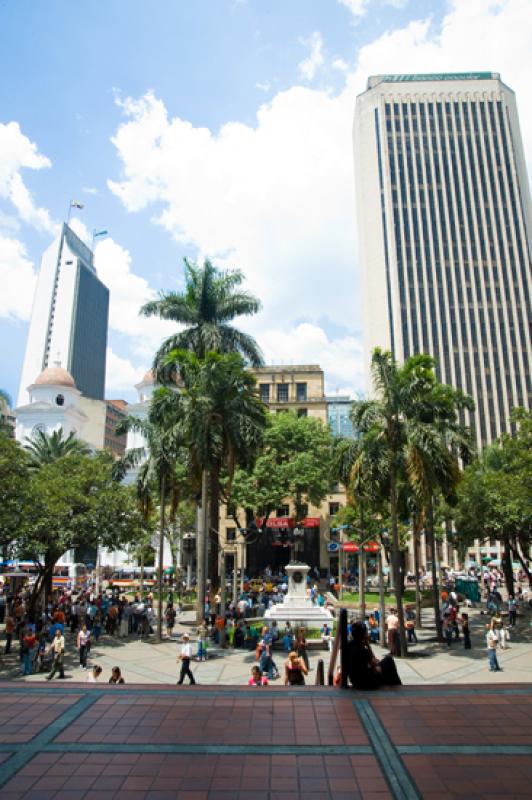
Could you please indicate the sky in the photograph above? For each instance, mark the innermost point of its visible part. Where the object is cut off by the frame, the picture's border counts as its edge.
(219, 129)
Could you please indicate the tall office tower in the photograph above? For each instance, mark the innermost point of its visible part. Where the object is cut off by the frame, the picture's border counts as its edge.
(68, 319)
(445, 223)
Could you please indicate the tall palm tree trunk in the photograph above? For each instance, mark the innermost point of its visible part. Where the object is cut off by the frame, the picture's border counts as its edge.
(201, 548)
(214, 526)
(161, 557)
(415, 539)
(398, 584)
(435, 586)
(362, 568)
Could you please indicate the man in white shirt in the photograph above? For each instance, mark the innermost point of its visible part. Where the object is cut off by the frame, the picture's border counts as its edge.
(186, 655)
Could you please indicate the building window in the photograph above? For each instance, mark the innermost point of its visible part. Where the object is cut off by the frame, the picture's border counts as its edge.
(301, 392)
(302, 412)
(304, 510)
(264, 392)
(282, 393)
(334, 508)
(230, 534)
(283, 511)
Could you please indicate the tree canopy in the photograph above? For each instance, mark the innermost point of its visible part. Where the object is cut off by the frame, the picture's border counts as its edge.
(295, 463)
(495, 495)
(211, 300)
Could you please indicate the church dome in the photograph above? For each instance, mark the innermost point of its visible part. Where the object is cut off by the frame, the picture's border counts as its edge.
(55, 376)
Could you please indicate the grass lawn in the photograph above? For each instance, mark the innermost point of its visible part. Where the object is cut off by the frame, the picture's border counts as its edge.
(372, 598)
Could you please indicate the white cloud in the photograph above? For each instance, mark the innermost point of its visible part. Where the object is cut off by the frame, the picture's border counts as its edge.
(121, 375)
(127, 293)
(17, 152)
(277, 199)
(90, 190)
(264, 87)
(17, 279)
(315, 60)
(399, 4)
(340, 64)
(357, 7)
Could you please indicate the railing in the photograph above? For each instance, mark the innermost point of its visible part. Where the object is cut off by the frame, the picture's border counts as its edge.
(340, 643)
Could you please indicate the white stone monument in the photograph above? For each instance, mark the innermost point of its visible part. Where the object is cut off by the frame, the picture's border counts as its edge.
(297, 607)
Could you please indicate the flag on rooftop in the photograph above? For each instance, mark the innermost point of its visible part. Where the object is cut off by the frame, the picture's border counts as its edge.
(76, 204)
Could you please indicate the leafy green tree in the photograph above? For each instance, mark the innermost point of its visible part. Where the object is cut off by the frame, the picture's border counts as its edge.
(211, 300)
(294, 464)
(74, 502)
(495, 496)
(14, 478)
(44, 448)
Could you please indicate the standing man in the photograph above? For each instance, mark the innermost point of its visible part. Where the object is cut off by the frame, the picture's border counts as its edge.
(58, 649)
(492, 640)
(392, 626)
(186, 655)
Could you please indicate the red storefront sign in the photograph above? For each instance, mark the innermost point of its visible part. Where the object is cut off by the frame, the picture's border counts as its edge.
(311, 522)
(280, 522)
(371, 547)
(350, 547)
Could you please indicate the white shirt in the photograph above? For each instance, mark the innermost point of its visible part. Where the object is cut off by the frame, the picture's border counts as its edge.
(186, 650)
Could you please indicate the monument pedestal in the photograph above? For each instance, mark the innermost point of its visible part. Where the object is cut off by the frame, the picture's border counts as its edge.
(297, 607)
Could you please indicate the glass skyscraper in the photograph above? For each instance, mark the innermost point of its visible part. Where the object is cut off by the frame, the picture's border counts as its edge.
(68, 319)
(445, 224)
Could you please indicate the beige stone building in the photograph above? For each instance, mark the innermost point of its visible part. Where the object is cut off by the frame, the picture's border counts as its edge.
(301, 389)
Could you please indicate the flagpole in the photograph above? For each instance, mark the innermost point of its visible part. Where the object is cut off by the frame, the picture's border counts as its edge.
(69, 212)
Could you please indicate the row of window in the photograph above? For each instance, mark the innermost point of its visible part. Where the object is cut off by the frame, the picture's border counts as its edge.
(459, 213)
(284, 510)
(282, 396)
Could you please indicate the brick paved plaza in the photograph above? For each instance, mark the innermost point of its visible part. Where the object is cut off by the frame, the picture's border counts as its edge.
(138, 742)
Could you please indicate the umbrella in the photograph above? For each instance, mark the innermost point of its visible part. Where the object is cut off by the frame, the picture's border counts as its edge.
(495, 562)
(169, 571)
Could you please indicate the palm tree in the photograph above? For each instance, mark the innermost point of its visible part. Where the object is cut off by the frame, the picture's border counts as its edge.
(157, 469)
(207, 306)
(437, 445)
(220, 419)
(387, 427)
(43, 448)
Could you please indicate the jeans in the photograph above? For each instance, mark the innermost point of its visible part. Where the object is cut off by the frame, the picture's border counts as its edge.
(57, 667)
(83, 655)
(266, 665)
(492, 659)
(28, 662)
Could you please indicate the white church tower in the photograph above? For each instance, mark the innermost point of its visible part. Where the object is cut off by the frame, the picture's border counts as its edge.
(53, 404)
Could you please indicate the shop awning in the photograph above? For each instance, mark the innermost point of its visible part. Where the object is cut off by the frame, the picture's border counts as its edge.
(311, 522)
(371, 547)
(350, 547)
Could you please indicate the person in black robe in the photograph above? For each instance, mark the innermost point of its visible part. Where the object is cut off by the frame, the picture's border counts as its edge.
(364, 670)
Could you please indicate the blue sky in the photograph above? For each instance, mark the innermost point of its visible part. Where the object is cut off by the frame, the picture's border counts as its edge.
(217, 128)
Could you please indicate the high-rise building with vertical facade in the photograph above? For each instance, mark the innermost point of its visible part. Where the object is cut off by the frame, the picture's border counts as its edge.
(445, 225)
(68, 319)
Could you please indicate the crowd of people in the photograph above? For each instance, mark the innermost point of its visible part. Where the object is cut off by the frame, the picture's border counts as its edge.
(40, 635)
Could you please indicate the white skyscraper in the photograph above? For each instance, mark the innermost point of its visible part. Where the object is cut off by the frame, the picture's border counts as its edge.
(445, 223)
(68, 319)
